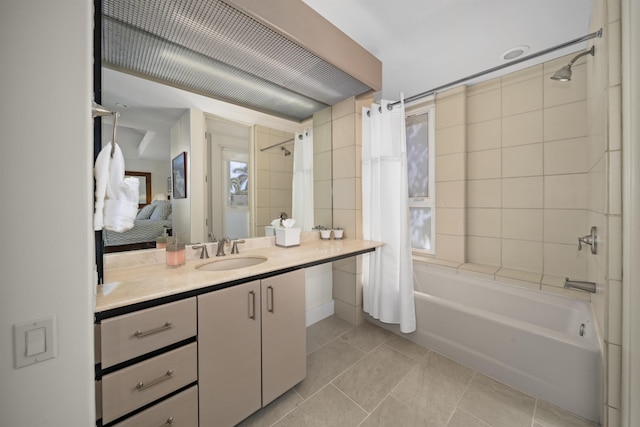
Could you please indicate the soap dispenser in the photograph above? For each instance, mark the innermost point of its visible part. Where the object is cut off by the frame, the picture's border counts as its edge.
(175, 253)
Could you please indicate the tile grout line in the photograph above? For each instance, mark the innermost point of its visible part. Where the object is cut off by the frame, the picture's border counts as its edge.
(475, 373)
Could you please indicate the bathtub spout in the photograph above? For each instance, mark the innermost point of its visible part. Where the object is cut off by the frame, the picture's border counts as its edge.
(578, 284)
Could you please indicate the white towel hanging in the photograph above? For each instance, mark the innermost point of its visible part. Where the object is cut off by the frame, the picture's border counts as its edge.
(116, 196)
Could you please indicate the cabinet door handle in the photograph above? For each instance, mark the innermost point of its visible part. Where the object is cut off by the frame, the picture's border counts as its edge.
(142, 334)
(252, 305)
(143, 386)
(270, 298)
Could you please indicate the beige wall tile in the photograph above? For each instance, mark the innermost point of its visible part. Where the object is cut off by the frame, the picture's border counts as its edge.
(321, 117)
(346, 311)
(565, 121)
(262, 198)
(597, 185)
(615, 53)
(525, 74)
(522, 255)
(322, 166)
(451, 112)
(522, 129)
(280, 180)
(566, 191)
(323, 217)
(485, 106)
(566, 156)
(484, 135)
(522, 97)
(615, 312)
(450, 194)
(483, 250)
(343, 132)
(346, 219)
(450, 247)
(450, 140)
(565, 261)
(344, 286)
(344, 193)
(615, 247)
(344, 162)
(483, 164)
(522, 192)
(524, 160)
(614, 372)
(450, 221)
(322, 138)
(450, 167)
(615, 183)
(564, 225)
(615, 118)
(483, 193)
(343, 108)
(558, 93)
(522, 224)
(484, 222)
(487, 86)
(322, 194)
(348, 265)
(262, 178)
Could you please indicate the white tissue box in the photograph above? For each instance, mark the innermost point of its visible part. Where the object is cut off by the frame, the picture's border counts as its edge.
(287, 237)
(269, 230)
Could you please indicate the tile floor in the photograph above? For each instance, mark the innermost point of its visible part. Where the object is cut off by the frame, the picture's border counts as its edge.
(366, 376)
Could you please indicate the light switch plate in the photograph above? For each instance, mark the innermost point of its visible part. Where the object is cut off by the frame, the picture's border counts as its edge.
(34, 341)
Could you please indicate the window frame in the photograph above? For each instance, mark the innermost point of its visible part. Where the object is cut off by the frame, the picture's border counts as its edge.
(426, 107)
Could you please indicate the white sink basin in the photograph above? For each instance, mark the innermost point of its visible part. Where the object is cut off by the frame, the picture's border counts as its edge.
(231, 263)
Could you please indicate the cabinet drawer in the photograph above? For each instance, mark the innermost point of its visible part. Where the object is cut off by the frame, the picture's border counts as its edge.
(142, 383)
(179, 410)
(130, 335)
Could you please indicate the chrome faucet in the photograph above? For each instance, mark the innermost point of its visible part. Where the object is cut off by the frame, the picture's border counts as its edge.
(221, 243)
(204, 254)
(234, 246)
(578, 284)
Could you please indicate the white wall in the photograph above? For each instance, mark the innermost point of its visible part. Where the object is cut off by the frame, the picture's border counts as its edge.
(48, 255)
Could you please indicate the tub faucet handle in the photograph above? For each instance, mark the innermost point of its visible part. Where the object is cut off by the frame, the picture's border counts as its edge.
(589, 239)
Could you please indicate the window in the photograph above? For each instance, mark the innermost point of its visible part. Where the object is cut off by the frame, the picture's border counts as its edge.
(420, 165)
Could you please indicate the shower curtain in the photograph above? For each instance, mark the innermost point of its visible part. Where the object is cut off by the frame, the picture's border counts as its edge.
(302, 192)
(387, 273)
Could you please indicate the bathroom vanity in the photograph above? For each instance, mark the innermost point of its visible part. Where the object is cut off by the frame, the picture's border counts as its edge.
(193, 347)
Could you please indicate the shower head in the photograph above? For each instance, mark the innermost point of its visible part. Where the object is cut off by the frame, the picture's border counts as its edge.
(564, 73)
(286, 152)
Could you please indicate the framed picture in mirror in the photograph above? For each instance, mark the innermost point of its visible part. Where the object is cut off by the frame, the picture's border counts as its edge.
(144, 188)
(179, 176)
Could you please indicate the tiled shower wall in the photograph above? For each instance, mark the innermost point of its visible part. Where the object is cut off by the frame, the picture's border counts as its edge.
(604, 98)
(274, 177)
(512, 155)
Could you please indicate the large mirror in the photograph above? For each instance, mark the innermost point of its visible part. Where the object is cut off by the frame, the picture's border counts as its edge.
(238, 162)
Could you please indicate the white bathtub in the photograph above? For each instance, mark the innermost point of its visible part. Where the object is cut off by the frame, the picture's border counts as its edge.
(527, 339)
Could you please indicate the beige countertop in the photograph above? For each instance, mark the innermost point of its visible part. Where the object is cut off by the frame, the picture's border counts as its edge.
(142, 283)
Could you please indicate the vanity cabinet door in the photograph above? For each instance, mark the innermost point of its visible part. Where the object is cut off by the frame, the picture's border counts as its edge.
(229, 354)
(284, 336)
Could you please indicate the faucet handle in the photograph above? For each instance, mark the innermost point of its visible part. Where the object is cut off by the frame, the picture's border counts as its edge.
(204, 254)
(234, 247)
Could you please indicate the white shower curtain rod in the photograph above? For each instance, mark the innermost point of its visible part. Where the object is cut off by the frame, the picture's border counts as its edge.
(499, 67)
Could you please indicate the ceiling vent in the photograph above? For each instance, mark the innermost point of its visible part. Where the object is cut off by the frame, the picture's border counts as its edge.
(211, 48)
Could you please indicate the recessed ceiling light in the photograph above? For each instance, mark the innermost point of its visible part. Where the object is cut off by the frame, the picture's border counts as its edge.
(514, 52)
(121, 105)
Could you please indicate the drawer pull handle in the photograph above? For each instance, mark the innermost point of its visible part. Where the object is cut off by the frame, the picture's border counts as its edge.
(142, 334)
(270, 298)
(252, 305)
(169, 422)
(143, 386)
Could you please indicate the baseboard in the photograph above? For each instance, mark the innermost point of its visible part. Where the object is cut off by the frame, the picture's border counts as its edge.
(320, 312)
